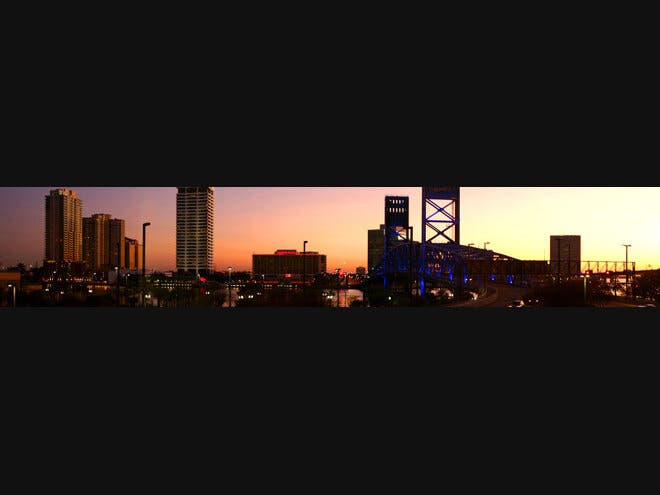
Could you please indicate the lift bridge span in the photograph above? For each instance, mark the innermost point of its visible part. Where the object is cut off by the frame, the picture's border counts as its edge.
(441, 258)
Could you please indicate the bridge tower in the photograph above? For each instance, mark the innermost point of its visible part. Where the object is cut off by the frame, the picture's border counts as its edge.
(440, 219)
(396, 224)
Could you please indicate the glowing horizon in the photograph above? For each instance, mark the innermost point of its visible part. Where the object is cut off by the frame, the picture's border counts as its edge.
(517, 221)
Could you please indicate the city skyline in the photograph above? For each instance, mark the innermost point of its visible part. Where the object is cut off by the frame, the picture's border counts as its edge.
(517, 221)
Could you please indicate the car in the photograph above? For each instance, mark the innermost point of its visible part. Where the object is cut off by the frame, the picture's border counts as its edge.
(516, 303)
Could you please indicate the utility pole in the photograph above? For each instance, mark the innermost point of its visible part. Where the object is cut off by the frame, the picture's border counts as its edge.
(627, 281)
(304, 269)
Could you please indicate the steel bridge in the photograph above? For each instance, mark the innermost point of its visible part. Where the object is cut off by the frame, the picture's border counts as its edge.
(452, 263)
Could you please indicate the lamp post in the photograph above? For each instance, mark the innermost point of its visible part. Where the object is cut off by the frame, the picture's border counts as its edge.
(627, 289)
(229, 285)
(304, 265)
(13, 289)
(484, 271)
(144, 249)
(144, 257)
(468, 262)
(585, 277)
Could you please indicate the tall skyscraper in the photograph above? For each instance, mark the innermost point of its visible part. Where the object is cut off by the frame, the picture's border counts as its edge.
(104, 242)
(95, 241)
(116, 230)
(63, 226)
(194, 229)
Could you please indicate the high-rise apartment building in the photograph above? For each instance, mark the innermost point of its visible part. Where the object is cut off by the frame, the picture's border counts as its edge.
(116, 230)
(132, 254)
(104, 242)
(95, 241)
(194, 229)
(63, 226)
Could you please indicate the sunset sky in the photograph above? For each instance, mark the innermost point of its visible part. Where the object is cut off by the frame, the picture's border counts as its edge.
(517, 221)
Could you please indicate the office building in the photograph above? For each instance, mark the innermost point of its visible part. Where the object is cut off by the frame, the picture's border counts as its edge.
(288, 262)
(565, 255)
(375, 247)
(194, 229)
(132, 254)
(63, 239)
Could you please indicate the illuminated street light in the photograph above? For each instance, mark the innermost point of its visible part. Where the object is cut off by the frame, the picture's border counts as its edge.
(304, 263)
(585, 277)
(229, 285)
(13, 289)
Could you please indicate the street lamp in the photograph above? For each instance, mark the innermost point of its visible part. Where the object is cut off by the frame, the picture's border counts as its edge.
(144, 249)
(627, 246)
(13, 288)
(585, 277)
(304, 264)
(144, 257)
(484, 271)
(229, 285)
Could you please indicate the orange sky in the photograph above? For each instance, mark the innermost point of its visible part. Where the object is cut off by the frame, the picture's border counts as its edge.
(517, 221)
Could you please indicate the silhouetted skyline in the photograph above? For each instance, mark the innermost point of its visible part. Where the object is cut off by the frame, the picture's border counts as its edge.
(334, 220)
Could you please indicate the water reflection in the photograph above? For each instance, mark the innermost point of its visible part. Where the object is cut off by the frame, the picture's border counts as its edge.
(346, 297)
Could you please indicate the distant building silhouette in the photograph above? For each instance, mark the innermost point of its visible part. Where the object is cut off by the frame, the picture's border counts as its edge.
(375, 246)
(288, 262)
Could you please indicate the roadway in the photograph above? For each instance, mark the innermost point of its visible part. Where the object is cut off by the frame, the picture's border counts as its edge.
(500, 296)
(496, 296)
